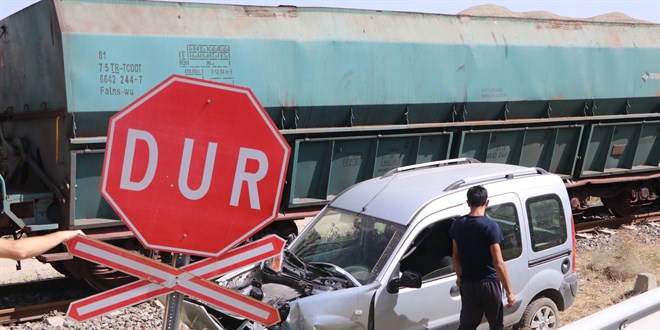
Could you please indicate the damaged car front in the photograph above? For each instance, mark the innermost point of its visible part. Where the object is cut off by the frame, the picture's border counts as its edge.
(326, 278)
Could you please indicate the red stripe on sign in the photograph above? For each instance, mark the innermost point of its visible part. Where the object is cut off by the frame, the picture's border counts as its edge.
(123, 260)
(244, 255)
(105, 302)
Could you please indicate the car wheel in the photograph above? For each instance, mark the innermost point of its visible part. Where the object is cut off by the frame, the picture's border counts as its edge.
(541, 314)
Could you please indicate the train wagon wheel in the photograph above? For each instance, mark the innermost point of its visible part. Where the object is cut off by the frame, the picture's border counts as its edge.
(619, 205)
(104, 278)
(60, 267)
(100, 277)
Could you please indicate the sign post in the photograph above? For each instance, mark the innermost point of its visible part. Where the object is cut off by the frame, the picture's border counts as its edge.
(175, 299)
(192, 167)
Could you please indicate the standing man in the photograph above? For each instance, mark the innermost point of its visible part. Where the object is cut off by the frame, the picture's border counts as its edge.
(479, 265)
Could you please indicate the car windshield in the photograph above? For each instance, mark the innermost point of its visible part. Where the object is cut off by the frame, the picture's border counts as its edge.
(356, 243)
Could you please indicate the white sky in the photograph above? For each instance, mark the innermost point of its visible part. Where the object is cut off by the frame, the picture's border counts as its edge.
(648, 10)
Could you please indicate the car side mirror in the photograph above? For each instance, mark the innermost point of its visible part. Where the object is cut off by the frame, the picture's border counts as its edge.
(408, 279)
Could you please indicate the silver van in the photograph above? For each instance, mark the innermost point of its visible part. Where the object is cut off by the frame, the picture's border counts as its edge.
(379, 255)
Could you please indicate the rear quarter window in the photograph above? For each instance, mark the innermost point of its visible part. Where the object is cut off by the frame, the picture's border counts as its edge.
(547, 223)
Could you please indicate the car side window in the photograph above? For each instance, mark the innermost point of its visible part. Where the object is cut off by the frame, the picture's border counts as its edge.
(430, 253)
(547, 223)
(506, 216)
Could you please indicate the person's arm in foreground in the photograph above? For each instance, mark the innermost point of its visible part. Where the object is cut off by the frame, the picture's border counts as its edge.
(502, 274)
(33, 246)
(457, 263)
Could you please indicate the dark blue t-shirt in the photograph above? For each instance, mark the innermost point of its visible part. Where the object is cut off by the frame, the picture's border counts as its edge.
(474, 236)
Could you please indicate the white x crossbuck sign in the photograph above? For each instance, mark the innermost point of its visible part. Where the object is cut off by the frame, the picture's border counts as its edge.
(158, 279)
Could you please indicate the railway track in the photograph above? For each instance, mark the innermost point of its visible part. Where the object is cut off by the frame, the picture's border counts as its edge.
(32, 312)
(587, 226)
(30, 301)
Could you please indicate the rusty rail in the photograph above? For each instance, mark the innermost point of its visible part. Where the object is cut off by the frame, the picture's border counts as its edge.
(617, 222)
(11, 313)
(32, 312)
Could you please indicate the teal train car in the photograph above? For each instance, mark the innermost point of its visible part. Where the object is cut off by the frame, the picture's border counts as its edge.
(355, 93)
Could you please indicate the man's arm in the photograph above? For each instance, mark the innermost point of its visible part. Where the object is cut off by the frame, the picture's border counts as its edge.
(33, 246)
(456, 262)
(502, 274)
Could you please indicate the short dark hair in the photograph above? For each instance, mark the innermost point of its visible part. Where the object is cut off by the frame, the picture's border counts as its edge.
(477, 196)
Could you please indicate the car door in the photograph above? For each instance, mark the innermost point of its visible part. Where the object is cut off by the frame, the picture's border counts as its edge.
(507, 212)
(436, 304)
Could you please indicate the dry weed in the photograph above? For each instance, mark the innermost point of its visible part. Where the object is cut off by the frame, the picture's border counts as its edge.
(607, 276)
(622, 261)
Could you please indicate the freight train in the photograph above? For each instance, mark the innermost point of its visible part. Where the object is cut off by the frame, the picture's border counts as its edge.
(355, 93)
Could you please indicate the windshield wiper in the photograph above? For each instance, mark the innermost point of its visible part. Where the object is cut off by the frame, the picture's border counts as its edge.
(325, 266)
(339, 270)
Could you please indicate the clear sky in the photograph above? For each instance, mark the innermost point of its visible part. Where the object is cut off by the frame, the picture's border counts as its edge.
(648, 10)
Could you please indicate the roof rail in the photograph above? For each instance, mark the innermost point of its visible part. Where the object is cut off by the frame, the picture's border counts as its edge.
(438, 163)
(496, 177)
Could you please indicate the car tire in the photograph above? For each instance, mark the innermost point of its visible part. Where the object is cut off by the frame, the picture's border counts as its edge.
(541, 314)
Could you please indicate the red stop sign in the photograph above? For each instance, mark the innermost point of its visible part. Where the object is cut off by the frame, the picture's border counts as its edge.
(194, 166)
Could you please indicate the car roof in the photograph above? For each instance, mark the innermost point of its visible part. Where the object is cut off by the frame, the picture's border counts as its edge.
(399, 194)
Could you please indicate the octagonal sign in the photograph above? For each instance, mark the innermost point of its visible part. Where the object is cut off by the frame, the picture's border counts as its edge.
(194, 166)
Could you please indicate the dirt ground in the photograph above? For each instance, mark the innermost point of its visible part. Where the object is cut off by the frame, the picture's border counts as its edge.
(31, 270)
(607, 275)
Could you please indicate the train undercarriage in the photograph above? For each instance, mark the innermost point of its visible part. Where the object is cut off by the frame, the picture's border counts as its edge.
(622, 199)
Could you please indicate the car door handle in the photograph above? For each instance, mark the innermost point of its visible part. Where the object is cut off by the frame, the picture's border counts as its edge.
(454, 291)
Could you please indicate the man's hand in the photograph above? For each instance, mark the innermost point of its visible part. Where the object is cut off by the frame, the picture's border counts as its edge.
(502, 274)
(510, 299)
(69, 234)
